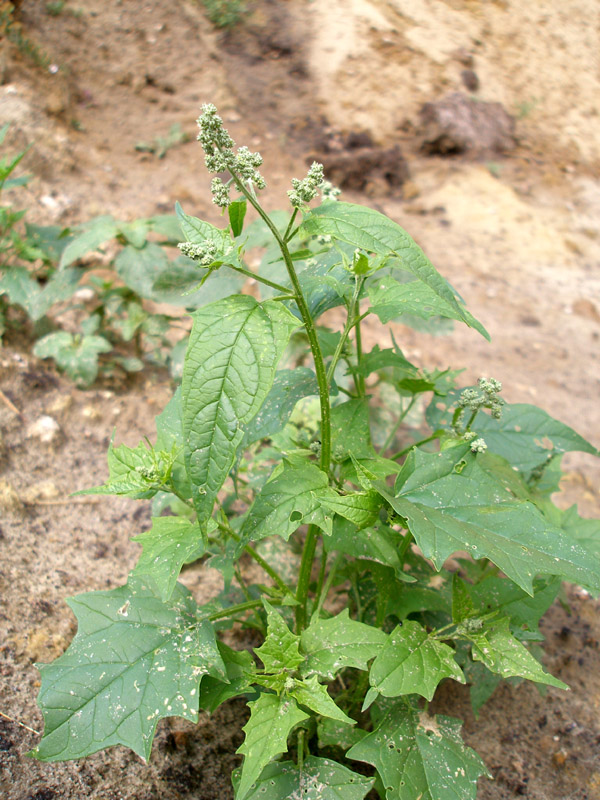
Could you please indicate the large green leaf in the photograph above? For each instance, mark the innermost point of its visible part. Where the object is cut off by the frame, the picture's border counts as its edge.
(390, 300)
(88, 237)
(198, 231)
(289, 386)
(319, 779)
(418, 756)
(371, 231)
(413, 662)
(271, 721)
(361, 508)
(350, 431)
(133, 661)
(291, 497)
(167, 546)
(503, 654)
(180, 284)
(140, 267)
(239, 668)
(525, 435)
(333, 644)
(229, 368)
(451, 503)
(584, 531)
(77, 356)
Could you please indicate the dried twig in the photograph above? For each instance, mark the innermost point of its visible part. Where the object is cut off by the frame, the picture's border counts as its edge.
(10, 404)
(22, 724)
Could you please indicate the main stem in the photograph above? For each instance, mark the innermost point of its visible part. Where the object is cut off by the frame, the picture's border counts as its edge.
(310, 543)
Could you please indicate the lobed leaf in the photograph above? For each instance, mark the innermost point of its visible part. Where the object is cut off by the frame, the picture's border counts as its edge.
(314, 695)
(413, 662)
(333, 644)
(319, 779)
(271, 721)
(133, 661)
(375, 233)
(418, 756)
(280, 649)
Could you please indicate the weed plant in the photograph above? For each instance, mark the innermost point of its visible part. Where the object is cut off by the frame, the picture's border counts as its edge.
(350, 515)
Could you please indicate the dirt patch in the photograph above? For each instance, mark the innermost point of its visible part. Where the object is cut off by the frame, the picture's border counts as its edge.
(519, 237)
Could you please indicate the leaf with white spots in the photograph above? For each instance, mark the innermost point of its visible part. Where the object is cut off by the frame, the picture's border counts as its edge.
(167, 546)
(339, 642)
(133, 661)
(280, 649)
(319, 779)
(452, 502)
(413, 662)
(272, 719)
(314, 695)
(503, 654)
(418, 756)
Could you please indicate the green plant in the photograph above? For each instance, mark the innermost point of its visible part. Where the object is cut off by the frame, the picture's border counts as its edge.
(13, 32)
(224, 13)
(162, 144)
(358, 633)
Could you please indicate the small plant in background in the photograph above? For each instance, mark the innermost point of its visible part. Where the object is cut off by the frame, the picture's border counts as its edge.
(277, 466)
(162, 144)
(224, 13)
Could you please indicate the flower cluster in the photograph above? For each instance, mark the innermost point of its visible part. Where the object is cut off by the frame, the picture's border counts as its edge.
(486, 398)
(220, 157)
(329, 191)
(305, 190)
(205, 254)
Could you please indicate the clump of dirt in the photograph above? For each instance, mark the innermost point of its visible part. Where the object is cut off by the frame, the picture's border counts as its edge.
(518, 236)
(456, 124)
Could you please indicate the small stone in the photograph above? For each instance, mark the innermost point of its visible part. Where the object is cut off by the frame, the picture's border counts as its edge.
(60, 404)
(46, 429)
(45, 490)
(9, 500)
(91, 413)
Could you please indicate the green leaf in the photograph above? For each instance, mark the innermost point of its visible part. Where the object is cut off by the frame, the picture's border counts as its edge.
(291, 497)
(166, 225)
(418, 756)
(88, 238)
(451, 503)
(332, 733)
(23, 290)
(127, 468)
(271, 721)
(167, 546)
(314, 695)
(584, 531)
(350, 431)
(378, 544)
(239, 668)
(197, 231)
(169, 438)
(77, 356)
(502, 653)
(333, 644)
(229, 368)
(526, 436)
(280, 649)
(140, 267)
(133, 661)
(361, 508)
(390, 300)
(319, 779)
(378, 359)
(136, 232)
(371, 231)
(288, 388)
(413, 662)
(462, 602)
(181, 284)
(237, 212)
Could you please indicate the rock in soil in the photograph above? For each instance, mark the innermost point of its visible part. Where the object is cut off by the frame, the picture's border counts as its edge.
(456, 124)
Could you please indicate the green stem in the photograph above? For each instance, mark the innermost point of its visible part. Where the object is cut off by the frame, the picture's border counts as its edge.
(310, 543)
(351, 321)
(327, 585)
(239, 609)
(433, 436)
(399, 421)
(268, 569)
(301, 734)
(358, 339)
(286, 235)
(260, 279)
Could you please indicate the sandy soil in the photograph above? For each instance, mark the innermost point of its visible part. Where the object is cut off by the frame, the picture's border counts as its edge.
(518, 236)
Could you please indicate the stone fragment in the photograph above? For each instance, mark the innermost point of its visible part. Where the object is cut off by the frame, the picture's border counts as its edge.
(46, 429)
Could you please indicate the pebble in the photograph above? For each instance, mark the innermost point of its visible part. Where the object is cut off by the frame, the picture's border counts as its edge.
(46, 429)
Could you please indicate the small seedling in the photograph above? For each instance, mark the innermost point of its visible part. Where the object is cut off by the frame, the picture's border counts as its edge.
(280, 467)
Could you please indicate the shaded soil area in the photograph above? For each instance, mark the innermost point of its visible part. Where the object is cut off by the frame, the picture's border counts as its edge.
(518, 234)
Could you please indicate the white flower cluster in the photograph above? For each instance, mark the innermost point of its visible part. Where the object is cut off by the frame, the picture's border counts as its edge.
(205, 254)
(220, 157)
(305, 190)
(486, 398)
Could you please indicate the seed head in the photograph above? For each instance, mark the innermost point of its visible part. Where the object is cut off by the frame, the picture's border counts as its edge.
(205, 254)
(305, 190)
